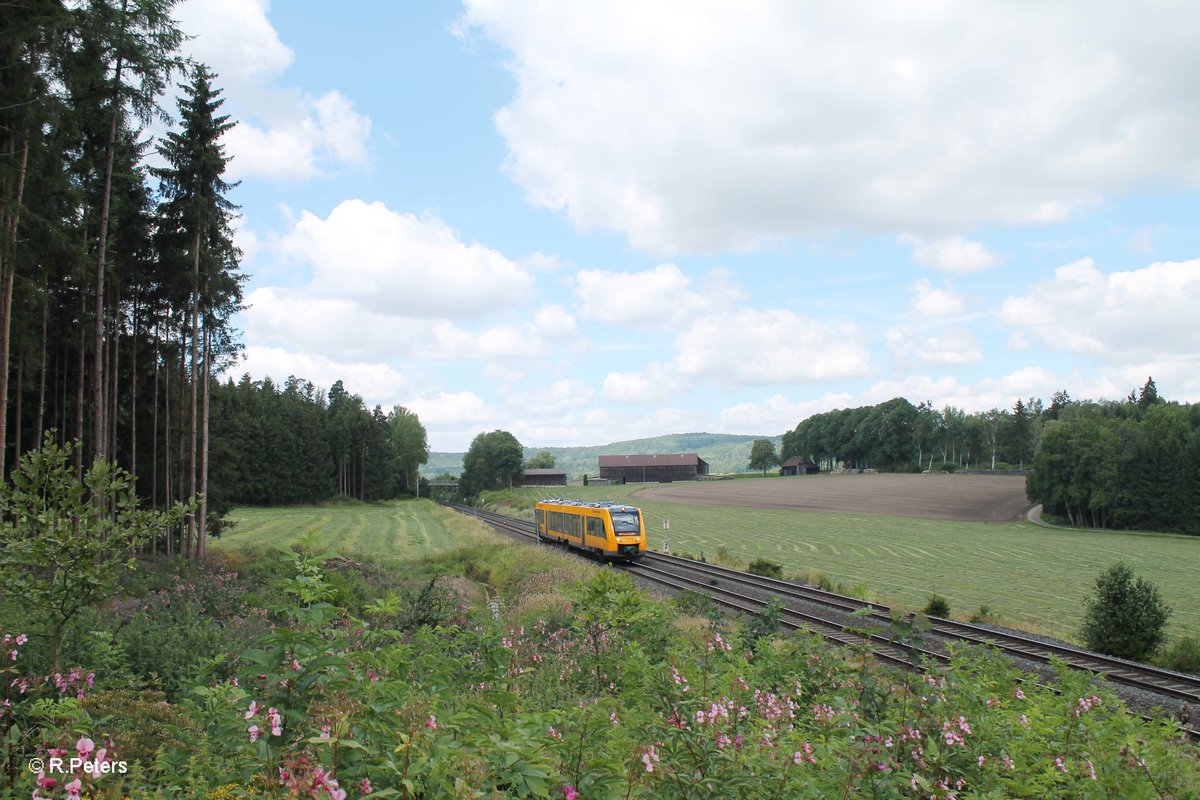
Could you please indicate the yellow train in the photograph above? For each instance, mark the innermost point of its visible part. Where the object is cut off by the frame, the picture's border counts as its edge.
(608, 529)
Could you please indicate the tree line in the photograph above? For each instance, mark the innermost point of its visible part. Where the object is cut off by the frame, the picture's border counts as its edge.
(295, 443)
(897, 436)
(117, 280)
(1133, 464)
(1129, 464)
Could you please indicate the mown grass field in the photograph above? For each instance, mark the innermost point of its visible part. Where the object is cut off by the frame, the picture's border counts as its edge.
(1030, 576)
(401, 529)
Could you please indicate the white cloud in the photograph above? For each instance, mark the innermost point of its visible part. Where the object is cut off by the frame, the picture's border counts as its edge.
(953, 254)
(554, 398)
(335, 328)
(761, 347)
(663, 295)
(234, 37)
(451, 409)
(300, 140)
(948, 346)
(376, 383)
(1142, 240)
(282, 133)
(746, 348)
(776, 414)
(929, 303)
(729, 124)
(654, 384)
(1144, 315)
(400, 264)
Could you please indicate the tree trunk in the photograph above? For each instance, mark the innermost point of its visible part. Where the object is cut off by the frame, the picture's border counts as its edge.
(167, 454)
(41, 411)
(115, 351)
(17, 411)
(8, 268)
(82, 376)
(133, 407)
(186, 530)
(202, 547)
(193, 464)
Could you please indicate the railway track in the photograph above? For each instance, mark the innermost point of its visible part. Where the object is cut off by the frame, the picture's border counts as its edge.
(729, 588)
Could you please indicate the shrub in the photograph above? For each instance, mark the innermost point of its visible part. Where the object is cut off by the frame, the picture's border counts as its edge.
(983, 614)
(937, 606)
(1183, 656)
(142, 724)
(768, 569)
(1124, 616)
(692, 602)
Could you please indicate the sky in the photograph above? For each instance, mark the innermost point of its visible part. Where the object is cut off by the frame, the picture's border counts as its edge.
(595, 221)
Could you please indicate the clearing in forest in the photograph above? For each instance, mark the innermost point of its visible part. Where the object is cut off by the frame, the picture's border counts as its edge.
(400, 529)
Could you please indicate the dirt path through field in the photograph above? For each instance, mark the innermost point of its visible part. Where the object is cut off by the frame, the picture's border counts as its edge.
(971, 498)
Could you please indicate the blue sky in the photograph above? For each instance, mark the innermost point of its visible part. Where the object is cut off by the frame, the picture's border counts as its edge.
(593, 221)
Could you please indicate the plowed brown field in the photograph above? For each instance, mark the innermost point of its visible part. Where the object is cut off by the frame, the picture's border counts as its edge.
(971, 498)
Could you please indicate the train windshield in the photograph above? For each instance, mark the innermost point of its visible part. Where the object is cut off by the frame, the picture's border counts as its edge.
(625, 522)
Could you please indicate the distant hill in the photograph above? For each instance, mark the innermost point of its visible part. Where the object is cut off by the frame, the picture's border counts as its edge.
(724, 453)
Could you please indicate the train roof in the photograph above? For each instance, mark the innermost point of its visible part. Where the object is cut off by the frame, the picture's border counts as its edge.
(608, 504)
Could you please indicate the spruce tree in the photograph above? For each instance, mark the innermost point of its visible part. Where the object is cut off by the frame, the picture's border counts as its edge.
(195, 220)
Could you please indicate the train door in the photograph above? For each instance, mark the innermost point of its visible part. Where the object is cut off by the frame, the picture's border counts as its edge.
(595, 529)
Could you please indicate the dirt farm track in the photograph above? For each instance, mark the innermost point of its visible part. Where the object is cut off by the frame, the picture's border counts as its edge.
(971, 498)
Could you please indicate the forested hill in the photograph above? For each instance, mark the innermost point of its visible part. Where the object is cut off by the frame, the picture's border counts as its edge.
(723, 452)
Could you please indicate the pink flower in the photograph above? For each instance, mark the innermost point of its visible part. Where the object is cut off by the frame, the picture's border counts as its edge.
(84, 746)
(1058, 762)
(276, 722)
(569, 792)
(254, 733)
(74, 789)
(98, 762)
(431, 723)
(252, 710)
(364, 786)
(650, 758)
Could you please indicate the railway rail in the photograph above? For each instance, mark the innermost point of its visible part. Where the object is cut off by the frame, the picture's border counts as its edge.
(718, 582)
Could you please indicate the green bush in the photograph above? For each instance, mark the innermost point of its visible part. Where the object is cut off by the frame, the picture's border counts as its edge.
(768, 569)
(937, 606)
(692, 602)
(1124, 616)
(1183, 656)
(983, 614)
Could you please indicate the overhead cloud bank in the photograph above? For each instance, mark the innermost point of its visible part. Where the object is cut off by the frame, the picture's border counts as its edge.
(1143, 315)
(725, 125)
(401, 264)
(282, 133)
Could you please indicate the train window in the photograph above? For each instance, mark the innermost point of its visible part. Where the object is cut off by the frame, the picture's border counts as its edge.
(595, 527)
(625, 522)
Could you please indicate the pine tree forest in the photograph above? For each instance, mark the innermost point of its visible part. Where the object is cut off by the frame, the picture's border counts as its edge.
(118, 282)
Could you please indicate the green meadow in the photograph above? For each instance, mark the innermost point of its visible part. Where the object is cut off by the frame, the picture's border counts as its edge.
(398, 529)
(1029, 576)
